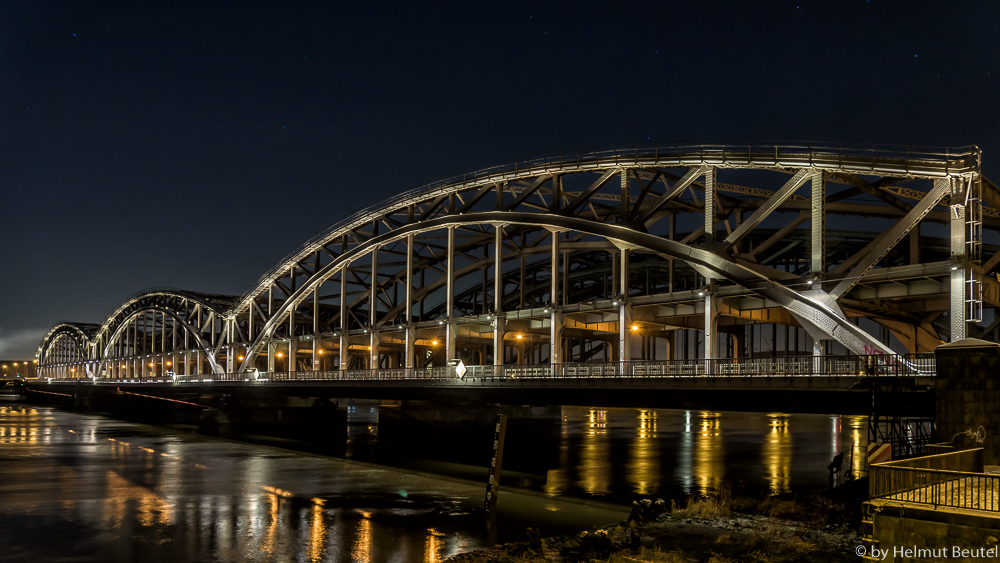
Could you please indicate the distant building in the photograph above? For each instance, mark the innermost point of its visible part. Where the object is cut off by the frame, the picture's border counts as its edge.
(11, 369)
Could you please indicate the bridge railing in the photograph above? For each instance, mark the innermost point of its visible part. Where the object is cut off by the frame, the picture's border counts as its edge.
(903, 365)
(953, 479)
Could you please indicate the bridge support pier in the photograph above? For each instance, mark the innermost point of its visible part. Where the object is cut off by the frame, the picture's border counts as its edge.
(967, 408)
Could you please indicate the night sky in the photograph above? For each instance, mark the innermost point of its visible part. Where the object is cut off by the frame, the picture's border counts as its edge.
(193, 146)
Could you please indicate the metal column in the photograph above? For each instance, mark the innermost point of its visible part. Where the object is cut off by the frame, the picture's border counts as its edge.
(625, 309)
(450, 350)
(411, 334)
(497, 266)
(711, 349)
(624, 331)
(317, 339)
(817, 221)
(710, 205)
(958, 274)
(373, 339)
(499, 322)
(345, 341)
(555, 318)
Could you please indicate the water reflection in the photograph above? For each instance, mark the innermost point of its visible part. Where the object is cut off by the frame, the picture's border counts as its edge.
(644, 470)
(362, 550)
(677, 453)
(851, 438)
(778, 453)
(156, 496)
(595, 462)
(270, 536)
(709, 470)
(556, 482)
(434, 547)
(317, 533)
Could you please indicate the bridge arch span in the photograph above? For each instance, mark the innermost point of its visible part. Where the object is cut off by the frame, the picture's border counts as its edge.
(821, 315)
(615, 255)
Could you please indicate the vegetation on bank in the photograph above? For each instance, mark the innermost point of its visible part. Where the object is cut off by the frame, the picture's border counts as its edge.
(719, 528)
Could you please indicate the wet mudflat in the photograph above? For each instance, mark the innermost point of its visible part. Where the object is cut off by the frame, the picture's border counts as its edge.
(88, 488)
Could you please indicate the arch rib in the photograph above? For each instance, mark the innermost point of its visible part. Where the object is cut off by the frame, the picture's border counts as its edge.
(812, 310)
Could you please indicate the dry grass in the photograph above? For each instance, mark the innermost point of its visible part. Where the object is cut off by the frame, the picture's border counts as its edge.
(647, 555)
(717, 505)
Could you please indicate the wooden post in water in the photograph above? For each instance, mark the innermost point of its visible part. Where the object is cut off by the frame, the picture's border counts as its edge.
(493, 486)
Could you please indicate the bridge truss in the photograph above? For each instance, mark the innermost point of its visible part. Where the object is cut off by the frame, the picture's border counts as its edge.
(643, 254)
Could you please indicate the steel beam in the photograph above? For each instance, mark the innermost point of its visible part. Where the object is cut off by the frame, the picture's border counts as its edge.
(673, 192)
(711, 304)
(891, 237)
(817, 226)
(624, 331)
(710, 205)
(957, 296)
(450, 336)
(766, 209)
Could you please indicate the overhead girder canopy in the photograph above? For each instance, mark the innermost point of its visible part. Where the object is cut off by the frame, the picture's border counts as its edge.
(193, 331)
(198, 315)
(79, 334)
(666, 202)
(808, 309)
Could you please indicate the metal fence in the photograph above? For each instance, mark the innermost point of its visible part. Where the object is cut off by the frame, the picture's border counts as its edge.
(903, 365)
(953, 480)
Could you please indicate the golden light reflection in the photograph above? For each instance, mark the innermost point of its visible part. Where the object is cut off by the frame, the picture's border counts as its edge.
(16, 434)
(277, 491)
(361, 552)
(595, 467)
(708, 452)
(317, 533)
(856, 452)
(150, 507)
(644, 471)
(778, 453)
(556, 481)
(267, 545)
(433, 547)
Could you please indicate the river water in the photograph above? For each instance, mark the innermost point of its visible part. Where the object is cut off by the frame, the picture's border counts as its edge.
(87, 488)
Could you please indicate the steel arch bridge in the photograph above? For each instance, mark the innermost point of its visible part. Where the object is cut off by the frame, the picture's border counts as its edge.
(688, 251)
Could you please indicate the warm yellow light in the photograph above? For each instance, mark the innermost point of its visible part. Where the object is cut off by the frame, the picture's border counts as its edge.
(5, 367)
(519, 337)
(15, 363)
(123, 365)
(433, 343)
(36, 361)
(168, 363)
(278, 354)
(72, 369)
(369, 347)
(320, 353)
(150, 364)
(241, 358)
(635, 327)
